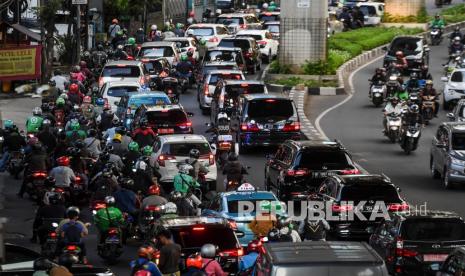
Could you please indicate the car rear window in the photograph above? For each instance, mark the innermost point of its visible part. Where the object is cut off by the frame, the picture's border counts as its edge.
(264, 17)
(121, 71)
(148, 101)
(275, 108)
(233, 205)
(438, 229)
(203, 31)
(182, 43)
(230, 20)
(273, 28)
(215, 77)
(153, 65)
(223, 56)
(172, 116)
(256, 37)
(196, 237)
(323, 159)
(245, 88)
(233, 43)
(220, 67)
(357, 193)
(156, 52)
(183, 149)
(410, 46)
(120, 91)
(457, 76)
(458, 141)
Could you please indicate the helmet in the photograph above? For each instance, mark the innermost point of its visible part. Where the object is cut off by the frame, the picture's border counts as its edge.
(190, 32)
(141, 165)
(74, 88)
(145, 252)
(52, 83)
(170, 208)
(46, 123)
(109, 200)
(194, 260)
(115, 121)
(429, 82)
(75, 125)
(87, 99)
(91, 132)
(63, 161)
(7, 124)
(203, 42)
(68, 260)
(131, 41)
(120, 47)
(190, 53)
(154, 190)
(167, 24)
(114, 21)
(60, 101)
(414, 108)
(37, 111)
(100, 47)
(265, 6)
(399, 54)
(121, 130)
(100, 102)
(437, 15)
(179, 25)
(457, 39)
(254, 246)
(185, 168)
(53, 198)
(57, 72)
(218, 11)
(64, 96)
(83, 64)
(72, 211)
(208, 251)
(117, 137)
(133, 146)
(32, 141)
(194, 153)
(232, 156)
(153, 27)
(147, 150)
(183, 57)
(175, 195)
(414, 75)
(394, 99)
(222, 116)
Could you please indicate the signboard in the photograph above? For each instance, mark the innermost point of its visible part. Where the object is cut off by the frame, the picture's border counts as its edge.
(79, 2)
(303, 4)
(20, 63)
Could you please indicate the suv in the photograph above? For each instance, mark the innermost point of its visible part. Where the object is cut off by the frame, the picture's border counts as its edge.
(124, 70)
(165, 119)
(454, 264)
(268, 46)
(249, 47)
(113, 91)
(458, 113)
(319, 258)
(299, 166)
(273, 28)
(214, 65)
(267, 120)
(212, 33)
(418, 243)
(454, 88)
(447, 148)
(414, 48)
(239, 21)
(344, 192)
(226, 55)
(158, 49)
(191, 233)
(173, 149)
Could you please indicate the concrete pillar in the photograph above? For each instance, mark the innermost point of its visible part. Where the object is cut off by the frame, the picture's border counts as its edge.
(403, 7)
(303, 31)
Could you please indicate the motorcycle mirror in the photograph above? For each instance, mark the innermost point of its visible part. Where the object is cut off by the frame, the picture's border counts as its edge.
(54, 224)
(239, 234)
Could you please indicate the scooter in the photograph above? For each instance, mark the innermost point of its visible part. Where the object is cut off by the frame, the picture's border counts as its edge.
(436, 36)
(393, 126)
(171, 89)
(48, 248)
(112, 248)
(428, 108)
(410, 138)
(15, 163)
(377, 93)
(35, 187)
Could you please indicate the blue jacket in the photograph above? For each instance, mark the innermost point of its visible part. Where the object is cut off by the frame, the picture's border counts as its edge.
(248, 261)
(147, 265)
(125, 200)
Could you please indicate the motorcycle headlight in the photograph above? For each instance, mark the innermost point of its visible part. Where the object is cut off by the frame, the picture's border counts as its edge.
(457, 162)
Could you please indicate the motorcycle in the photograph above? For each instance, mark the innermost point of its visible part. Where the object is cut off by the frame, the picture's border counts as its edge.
(49, 247)
(436, 36)
(377, 93)
(59, 119)
(427, 108)
(393, 126)
(224, 145)
(410, 137)
(72, 249)
(171, 89)
(414, 96)
(15, 163)
(112, 248)
(148, 216)
(35, 187)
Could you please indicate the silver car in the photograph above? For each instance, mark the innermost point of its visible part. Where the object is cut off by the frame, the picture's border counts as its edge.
(157, 49)
(124, 70)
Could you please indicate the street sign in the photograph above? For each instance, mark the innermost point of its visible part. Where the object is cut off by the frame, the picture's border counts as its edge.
(79, 2)
(301, 4)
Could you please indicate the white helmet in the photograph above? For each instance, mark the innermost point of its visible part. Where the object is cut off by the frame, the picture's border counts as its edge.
(190, 20)
(457, 39)
(153, 27)
(37, 111)
(222, 115)
(170, 208)
(185, 168)
(218, 11)
(141, 165)
(265, 6)
(167, 24)
(158, 33)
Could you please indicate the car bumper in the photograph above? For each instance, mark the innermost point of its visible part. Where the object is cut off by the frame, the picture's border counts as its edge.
(265, 52)
(456, 173)
(267, 138)
(354, 230)
(451, 95)
(414, 267)
(205, 102)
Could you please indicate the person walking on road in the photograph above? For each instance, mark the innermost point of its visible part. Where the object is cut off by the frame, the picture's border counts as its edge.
(169, 254)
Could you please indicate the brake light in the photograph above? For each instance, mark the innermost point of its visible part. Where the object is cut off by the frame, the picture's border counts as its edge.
(225, 145)
(213, 39)
(342, 208)
(300, 172)
(295, 126)
(262, 42)
(59, 190)
(162, 158)
(206, 91)
(232, 253)
(130, 57)
(244, 85)
(398, 207)
(184, 125)
(39, 174)
(352, 171)
(243, 26)
(144, 60)
(71, 247)
(401, 252)
(52, 234)
(249, 127)
(198, 228)
(211, 158)
(120, 65)
(152, 208)
(268, 13)
(113, 231)
(77, 179)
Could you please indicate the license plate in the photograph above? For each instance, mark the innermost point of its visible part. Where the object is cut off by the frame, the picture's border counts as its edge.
(223, 128)
(165, 130)
(225, 138)
(322, 174)
(434, 257)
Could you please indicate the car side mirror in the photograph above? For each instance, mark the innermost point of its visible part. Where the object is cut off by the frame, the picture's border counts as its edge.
(239, 234)
(116, 102)
(451, 116)
(427, 49)
(444, 79)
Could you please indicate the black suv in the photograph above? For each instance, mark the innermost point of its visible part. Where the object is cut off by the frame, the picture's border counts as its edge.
(454, 264)
(226, 54)
(418, 243)
(300, 166)
(363, 193)
(414, 48)
(249, 47)
(165, 119)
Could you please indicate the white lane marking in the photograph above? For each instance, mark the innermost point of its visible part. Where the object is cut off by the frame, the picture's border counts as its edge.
(318, 119)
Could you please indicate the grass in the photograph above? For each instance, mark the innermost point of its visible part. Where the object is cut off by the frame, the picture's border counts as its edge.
(454, 14)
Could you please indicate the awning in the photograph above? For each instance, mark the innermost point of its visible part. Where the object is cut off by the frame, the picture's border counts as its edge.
(25, 30)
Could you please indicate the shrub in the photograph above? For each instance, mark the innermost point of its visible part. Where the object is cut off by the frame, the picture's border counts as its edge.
(277, 68)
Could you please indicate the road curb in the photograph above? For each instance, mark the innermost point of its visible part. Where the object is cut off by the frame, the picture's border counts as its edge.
(306, 127)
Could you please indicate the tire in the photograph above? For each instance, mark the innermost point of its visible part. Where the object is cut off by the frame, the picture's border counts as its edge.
(446, 181)
(434, 173)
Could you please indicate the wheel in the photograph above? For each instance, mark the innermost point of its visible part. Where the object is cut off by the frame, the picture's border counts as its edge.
(447, 183)
(434, 173)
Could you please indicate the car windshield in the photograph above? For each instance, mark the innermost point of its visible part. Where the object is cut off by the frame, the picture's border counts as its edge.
(245, 88)
(120, 91)
(233, 43)
(323, 159)
(457, 76)
(203, 31)
(173, 116)
(215, 77)
(121, 71)
(274, 108)
(156, 52)
(234, 204)
(356, 193)
(273, 28)
(154, 66)
(256, 37)
(196, 237)
(228, 21)
(181, 43)
(438, 229)
(409, 46)
(135, 102)
(458, 141)
(183, 149)
(265, 17)
(217, 55)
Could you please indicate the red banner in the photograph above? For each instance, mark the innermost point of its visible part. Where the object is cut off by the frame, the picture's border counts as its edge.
(20, 63)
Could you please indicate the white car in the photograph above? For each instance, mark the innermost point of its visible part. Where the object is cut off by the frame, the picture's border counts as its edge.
(454, 88)
(239, 21)
(124, 70)
(212, 33)
(185, 44)
(172, 150)
(113, 91)
(373, 12)
(268, 46)
(158, 49)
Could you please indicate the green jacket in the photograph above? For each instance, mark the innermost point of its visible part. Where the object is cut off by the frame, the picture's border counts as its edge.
(183, 182)
(438, 23)
(402, 95)
(80, 133)
(103, 223)
(33, 124)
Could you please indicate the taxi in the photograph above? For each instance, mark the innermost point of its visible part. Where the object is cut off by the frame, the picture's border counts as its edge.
(228, 204)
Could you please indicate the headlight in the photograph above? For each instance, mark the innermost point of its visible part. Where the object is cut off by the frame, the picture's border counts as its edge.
(457, 162)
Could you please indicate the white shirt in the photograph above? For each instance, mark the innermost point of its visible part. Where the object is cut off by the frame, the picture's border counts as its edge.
(60, 81)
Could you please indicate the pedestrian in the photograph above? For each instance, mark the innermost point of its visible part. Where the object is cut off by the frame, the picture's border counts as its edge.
(113, 29)
(169, 254)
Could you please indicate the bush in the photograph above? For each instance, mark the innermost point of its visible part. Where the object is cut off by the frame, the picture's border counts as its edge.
(454, 14)
(277, 68)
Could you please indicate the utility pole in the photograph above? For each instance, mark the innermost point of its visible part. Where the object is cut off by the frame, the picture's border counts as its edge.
(78, 33)
(144, 22)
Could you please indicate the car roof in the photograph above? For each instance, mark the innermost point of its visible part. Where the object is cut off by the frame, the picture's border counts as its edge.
(239, 38)
(320, 252)
(123, 62)
(271, 12)
(265, 96)
(431, 214)
(235, 82)
(203, 25)
(363, 180)
(246, 32)
(179, 38)
(149, 94)
(232, 49)
(219, 62)
(122, 83)
(228, 71)
(157, 43)
(317, 144)
(246, 195)
(272, 23)
(183, 138)
(163, 107)
(190, 221)
(455, 126)
(227, 15)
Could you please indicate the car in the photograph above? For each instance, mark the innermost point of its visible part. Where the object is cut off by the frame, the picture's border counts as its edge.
(185, 44)
(266, 16)
(267, 120)
(191, 233)
(170, 150)
(373, 12)
(128, 104)
(208, 86)
(165, 119)
(225, 5)
(157, 49)
(212, 33)
(454, 264)
(343, 193)
(154, 67)
(221, 54)
(214, 65)
(226, 205)
(458, 113)
(415, 50)
(332, 258)
(446, 154)
(249, 47)
(244, 87)
(113, 91)
(298, 167)
(454, 88)
(268, 46)
(273, 28)
(239, 21)
(124, 70)
(419, 242)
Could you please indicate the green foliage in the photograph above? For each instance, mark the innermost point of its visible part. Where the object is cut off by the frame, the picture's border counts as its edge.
(66, 48)
(277, 68)
(335, 59)
(454, 14)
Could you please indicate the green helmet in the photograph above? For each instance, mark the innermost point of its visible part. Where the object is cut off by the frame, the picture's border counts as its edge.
(179, 25)
(119, 33)
(203, 41)
(271, 8)
(75, 125)
(183, 57)
(7, 124)
(131, 41)
(147, 150)
(60, 101)
(133, 146)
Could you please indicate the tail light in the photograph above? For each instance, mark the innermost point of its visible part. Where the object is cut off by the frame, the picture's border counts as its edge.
(243, 26)
(113, 231)
(162, 158)
(198, 228)
(342, 207)
(59, 190)
(99, 206)
(232, 253)
(39, 174)
(224, 146)
(130, 57)
(398, 207)
(170, 91)
(352, 171)
(152, 208)
(71, 247)
(402, 252)
(213, 39)
(185, 125)
(211, 158)
(300, 172)
(100, 81)
(295, 126)
(77, 179)
(52, 235)
(249, 127)
(206, 91)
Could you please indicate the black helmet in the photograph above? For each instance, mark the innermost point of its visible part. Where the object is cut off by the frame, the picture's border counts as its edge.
(91, 132)
(57, 72)
(72, 212)
(54, 199)
(126, 182)
(68, 260)
(121, 130)
(107, 172)
(232, 156)
(109, 148)
(52, 83)
(194, 153)
(104, 156)
(190, 54)
(414, 75)
(49, 181)
(45, 107)
(100, 47)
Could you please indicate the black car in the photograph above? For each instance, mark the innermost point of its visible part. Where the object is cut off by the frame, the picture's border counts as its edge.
(155, 66)
(165, 119)
(419, 242)
(366, 194)
(226, 55)
(250, 49)
(298, 167)
(414, 48)
(267, 120)
(454, 264)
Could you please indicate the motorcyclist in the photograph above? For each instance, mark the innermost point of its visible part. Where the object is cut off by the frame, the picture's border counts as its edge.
(108, 217)
(63, 174)
(131, 156)
(153, 198)
(412, 116)
(52, 93)
(131, 47)
(412, 83)
(184, 183)
(428, 90)
(61, 82)
(47, 113)
(92, 144)
(194, 265)
(140, 36)
(144, 135)
(99, 57)
(456, 46)
(143, 176)
(74, 95)
(346, 18)
(400, 92)
(71, 231)
(144, 262)
(120, 54)
(210, 264)
(184, 68)
(393, 106)
(401, 61)
(34, 122)
(247, 262)
(183, 206)
(60, 110)
(202, 48)
(314, 228)
(114, 159)
(233, 169)
(424, 73)
(77, 75)
(75, 132)
(179, 30)
(456, 33)
(105, 119)
(110, 133)
(55, 211)
(358, 17)
(13, 142)
(85, 71)
(154, 35)
(198, 168)
(47, 137)
(438, 23)
(378, 77)
(118, 40)
(88, 109)
(126, 200)
(36, 160)
(118, 147)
